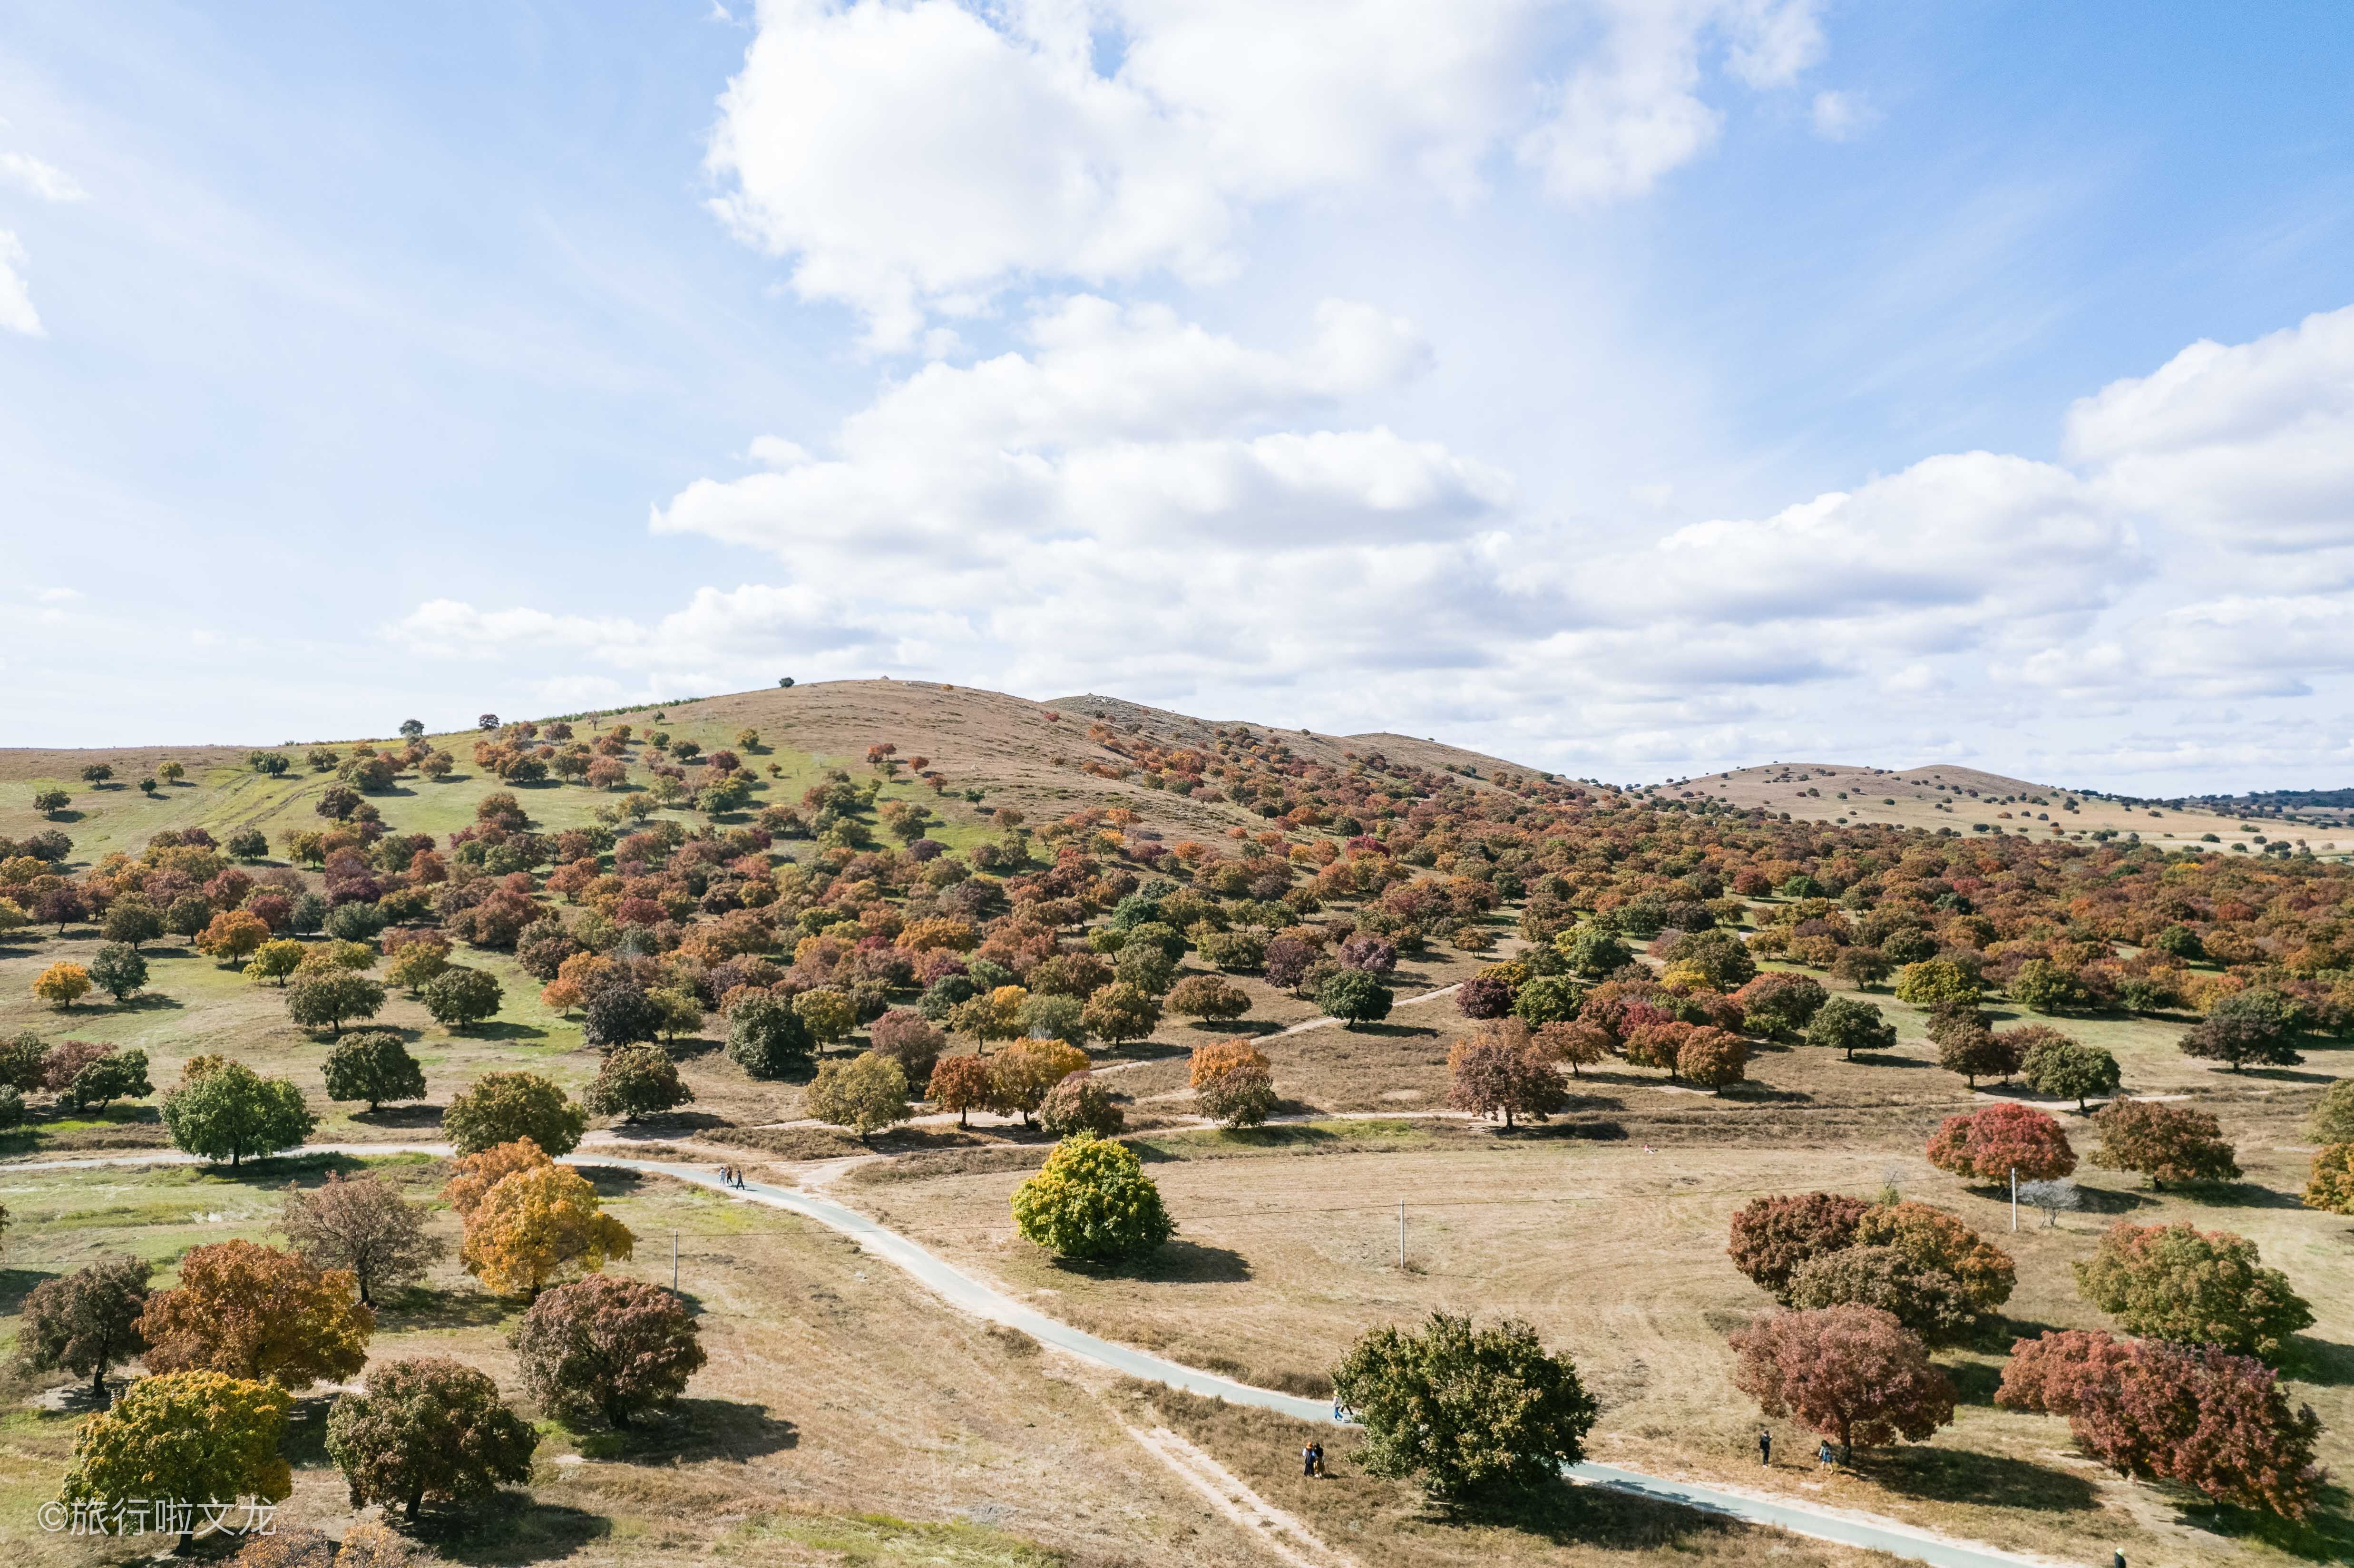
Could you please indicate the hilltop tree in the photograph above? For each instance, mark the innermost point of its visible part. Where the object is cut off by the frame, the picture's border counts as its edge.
(609, 1348)
(86, 1321)
(1092, 1201)
(230, 1111)
(194, 1435)
(635, 1081)
(503, 1107)
(1233, 1083)
(1852, 1373)
(1990, 1144)
(1080, 1103)
(2163, 1142)
(362, 1226)
(375, 1066)
(253, 1311)
(428, 1430)
(1846, 1025)
(2193, 1288)
(866, 1095)
(1120, 1012)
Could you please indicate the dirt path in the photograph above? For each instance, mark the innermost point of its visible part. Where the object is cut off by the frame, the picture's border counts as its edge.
(1281, 1532)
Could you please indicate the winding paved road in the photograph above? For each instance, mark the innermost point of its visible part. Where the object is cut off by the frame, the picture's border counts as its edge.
(961, 1289)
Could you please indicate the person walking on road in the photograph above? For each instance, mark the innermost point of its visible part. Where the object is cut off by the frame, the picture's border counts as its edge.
(1764, 1446)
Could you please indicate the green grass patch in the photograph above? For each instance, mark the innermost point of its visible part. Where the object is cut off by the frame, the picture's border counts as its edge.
(878, 1540)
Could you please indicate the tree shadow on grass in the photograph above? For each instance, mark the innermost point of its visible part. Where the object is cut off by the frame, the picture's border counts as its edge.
(407, 1118)
(2327, 1537)
(1184, 1261)
(2247, 1195)
(707, 1428)
(514, 1527)
(1883, 1059)
(2111, 1201)
(502, 1031)
(279, 1170)
(422, 1308)
(148, 1002)
(2321, 1362)
(1590, 1516)
(1955, 1475)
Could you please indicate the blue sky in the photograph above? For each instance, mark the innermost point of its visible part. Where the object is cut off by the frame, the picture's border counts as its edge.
(1636, 389)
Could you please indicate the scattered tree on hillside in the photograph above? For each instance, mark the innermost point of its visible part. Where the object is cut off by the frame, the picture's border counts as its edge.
(460, 998)
(503, 1107)
(535, 1223)
(86, 1321)
(363, 1226)
(429, 1430)
(1772, 1237)
(1465, 1411)
(228, 1111)
(1935, 980)
(608, 1347)
(1846, 1025)
(2163, 1142)
(2054, 1065)
(375, 1066)
(1025, 1071)
(1852, 1373)
(869, 1092)
(1120, 1012)
(768, 1039)
(1233, 1083)
(635, 1081)
(118, 970)
(2192, 1288)
(1080, 1103)
(331, 998)
(1711, 1058)
(1500, 1073)
(62, 984)
(252, 1311)
(2257, 1025)
(193, 1436)
(1992, 1144)
(963, 1084)
(1092, 1201)
(1355, 996)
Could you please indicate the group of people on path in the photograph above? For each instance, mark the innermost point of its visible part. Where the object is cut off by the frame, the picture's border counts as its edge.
(731, 1176)
(1825, 1457)
(1312, 1460)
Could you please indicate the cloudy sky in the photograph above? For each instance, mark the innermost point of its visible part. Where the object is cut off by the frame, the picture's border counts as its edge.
(1634, 387)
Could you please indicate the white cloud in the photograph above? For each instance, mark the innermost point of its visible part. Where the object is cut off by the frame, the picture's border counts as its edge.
(16, 312)
(2252, 445)
(34, 177)
(916, 156)
(1839, 115)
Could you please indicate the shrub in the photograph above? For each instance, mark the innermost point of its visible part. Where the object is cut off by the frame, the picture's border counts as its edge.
(500, 1108)
(865, 1094)
(2332, 1120)
(1092, 1201)
(2193, 1288)
(117, 1074)
(193, 1435)
(2330, 1186)
(1080, 1103)
(2163, 1142)
(375, 1066)
(1233, 1083)
(86, 1321)
(1207, 997)
(1465, 1411)
(428, 1430)
(460, 998)
(635, 1081)
(1772, 1237)
(1852, 1373)
(253, 1311)
(1989, 1145)
(231, 1111)
(1846, 1025)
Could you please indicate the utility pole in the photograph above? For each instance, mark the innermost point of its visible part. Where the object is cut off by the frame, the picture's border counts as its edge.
(2014, 1198)
(674, 1255)
(1401, 1235)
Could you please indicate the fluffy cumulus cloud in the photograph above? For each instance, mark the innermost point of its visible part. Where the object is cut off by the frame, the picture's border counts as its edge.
(914, 157)
(16, 312)
(23, 173)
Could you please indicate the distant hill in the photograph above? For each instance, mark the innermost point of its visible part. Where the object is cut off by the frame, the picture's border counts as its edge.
(1946, 796)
